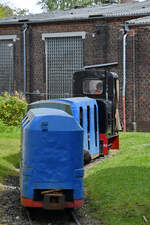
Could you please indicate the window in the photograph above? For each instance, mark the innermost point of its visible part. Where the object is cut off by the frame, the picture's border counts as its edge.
(64, 56)
(81, 116)
(93, 87)
(88, 125)
(7, 63)
(95, 123)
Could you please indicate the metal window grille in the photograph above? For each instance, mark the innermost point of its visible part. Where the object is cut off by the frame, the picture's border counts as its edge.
(64, 56)
(6, 66)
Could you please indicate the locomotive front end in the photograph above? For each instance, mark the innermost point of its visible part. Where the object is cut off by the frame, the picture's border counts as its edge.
(51, 174)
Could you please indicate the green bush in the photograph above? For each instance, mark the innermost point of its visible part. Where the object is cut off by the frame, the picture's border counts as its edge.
(12, 109)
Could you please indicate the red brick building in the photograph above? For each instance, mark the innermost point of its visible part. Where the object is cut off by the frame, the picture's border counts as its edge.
(39, 53)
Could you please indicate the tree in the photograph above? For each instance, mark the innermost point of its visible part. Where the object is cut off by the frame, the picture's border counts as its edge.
(67, 4)
(19, 11)
(5, 11)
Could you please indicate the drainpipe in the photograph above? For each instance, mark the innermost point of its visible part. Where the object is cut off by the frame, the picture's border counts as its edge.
(46, 70)
(134, 89)
(124, 80)
(24, 56)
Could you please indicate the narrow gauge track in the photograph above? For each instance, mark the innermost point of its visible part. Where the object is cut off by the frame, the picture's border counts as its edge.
(72, 218)
(28, 216)
(94, 162)
(75, 217)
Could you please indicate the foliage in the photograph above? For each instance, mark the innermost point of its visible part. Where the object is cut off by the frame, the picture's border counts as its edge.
(5, 11)
(68, 4)
(119, 187)
(19, 11)
(12, 109)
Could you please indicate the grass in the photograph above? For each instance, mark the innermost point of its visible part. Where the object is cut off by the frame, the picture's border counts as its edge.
(119, 188)
(9, 131)
(9, 153)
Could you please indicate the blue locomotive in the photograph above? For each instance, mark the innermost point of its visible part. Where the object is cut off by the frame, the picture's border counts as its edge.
(51, 174)
(85, 112)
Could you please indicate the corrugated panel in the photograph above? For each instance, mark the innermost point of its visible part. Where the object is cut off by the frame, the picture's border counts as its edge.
(6, 66)
(134, 8)
(64, 57)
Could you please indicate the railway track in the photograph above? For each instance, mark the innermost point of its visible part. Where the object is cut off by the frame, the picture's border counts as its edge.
(28, 216)
(72, 218)
(75, 217)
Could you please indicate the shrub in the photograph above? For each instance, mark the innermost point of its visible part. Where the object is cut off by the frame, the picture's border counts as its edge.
(12, 109)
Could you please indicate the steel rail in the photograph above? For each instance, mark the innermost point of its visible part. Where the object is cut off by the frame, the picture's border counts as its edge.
(75, 217)
(28, 216)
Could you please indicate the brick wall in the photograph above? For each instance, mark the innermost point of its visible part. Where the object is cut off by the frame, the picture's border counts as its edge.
(143, 78)
(104, 47)
(37, 77)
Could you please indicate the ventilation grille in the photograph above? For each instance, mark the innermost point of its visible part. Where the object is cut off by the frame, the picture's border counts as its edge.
(64, 57)
(27, 119)
(6, 66)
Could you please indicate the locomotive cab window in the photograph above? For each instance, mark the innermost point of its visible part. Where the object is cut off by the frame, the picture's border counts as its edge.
(88, 125)
(93, 87)
(95, 124)
(81, 116)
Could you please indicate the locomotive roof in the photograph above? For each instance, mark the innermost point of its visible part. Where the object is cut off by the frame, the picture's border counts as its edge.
(95, 73)
(79, 99)
(50, 120)
(51, 104)
(47, 101)
(47, 112)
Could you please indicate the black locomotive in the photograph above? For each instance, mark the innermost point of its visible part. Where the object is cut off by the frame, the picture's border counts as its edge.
(104, 87)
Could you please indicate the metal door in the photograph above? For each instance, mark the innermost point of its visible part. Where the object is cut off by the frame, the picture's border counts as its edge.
(64, 56)
(6, 66)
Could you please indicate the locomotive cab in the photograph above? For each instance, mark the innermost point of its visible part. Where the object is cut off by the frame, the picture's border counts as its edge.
(102, 86)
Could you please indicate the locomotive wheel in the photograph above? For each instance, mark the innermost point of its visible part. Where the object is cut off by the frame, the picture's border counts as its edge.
(87, 157)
